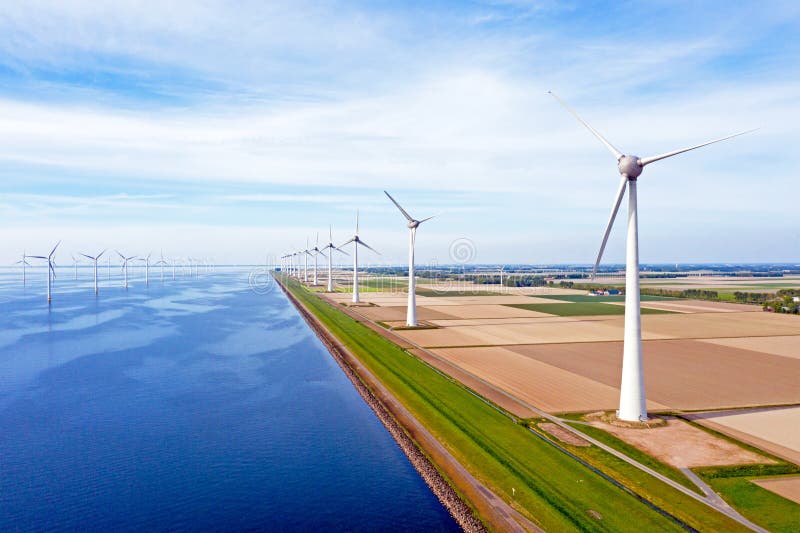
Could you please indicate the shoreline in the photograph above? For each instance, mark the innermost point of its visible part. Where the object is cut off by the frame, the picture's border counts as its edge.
(421, 448)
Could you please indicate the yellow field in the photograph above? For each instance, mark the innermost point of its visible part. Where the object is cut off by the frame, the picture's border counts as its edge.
(788, 487)
(787, 346)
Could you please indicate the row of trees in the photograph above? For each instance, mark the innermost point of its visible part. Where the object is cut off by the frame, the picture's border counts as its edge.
(784, 301)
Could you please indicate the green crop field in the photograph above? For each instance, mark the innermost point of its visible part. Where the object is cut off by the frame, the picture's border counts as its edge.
(551, 488)
(615, 298)
(583, 309)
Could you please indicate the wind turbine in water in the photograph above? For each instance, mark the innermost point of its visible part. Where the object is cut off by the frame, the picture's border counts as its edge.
(75, 265)
(162, 263)
(330, 257)
(146, 261)
(125, 261)
(51, 271)
(95, 258)
(632, 401)
(413, 224)
(24, 263)
(356, 240)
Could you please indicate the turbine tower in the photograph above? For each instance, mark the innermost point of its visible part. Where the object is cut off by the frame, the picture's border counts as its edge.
(146, 261)
(317, 253)
(330, 258)
(306, 253)
(95, 258)
(162, 263)
(125, 261)
(24, 263)
(51, 271)
(411, 312)
(632, 401)
(75, 265)
(356, 241)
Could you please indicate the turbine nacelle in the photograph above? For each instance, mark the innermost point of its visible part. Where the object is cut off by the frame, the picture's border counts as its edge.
(630, 166)
(412, 224)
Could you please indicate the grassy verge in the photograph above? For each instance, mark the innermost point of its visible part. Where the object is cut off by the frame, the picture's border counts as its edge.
(448, 294)
(584, 309)
(545, 484)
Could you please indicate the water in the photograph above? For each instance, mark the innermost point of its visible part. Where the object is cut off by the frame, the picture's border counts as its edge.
(193, 404)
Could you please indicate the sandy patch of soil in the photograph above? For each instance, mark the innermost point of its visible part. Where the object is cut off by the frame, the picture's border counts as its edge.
(681, 445)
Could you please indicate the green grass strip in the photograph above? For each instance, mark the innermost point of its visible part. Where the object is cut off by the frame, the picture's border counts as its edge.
(584, 309)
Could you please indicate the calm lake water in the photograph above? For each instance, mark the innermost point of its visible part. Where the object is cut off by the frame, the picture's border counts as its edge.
(190, 404)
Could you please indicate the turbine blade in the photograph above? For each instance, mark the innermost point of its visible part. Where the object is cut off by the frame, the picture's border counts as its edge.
(89, 257)
(426, 219)
(611, 148)
(119, 254)
(54, 248)
(356, 221)
(362, 243)
(408, 217)
(340, 250)
(37, 257)
(620, 194)
(347, 242)
(100, 254)
(647, 160)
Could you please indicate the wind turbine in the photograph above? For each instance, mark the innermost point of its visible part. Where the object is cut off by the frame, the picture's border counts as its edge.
(95, 258)
(108, 262)
(162, 263)
(24, 263)
(317, 253)
(125, 261)
(356, 240)
(146, 261)
(411, 312)
(75, 264)
(51, 271)
(306, 253)
(632, 401)
(330, 257)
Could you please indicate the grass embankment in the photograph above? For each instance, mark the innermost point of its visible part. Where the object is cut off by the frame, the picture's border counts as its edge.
(452, 293)
(552, 489)
(584, 309)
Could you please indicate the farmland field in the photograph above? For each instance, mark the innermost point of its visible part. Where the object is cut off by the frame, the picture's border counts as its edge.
(583, 309)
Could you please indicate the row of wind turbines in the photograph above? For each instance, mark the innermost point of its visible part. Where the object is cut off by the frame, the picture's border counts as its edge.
(125, 261)
(290, 262)
(633, 403)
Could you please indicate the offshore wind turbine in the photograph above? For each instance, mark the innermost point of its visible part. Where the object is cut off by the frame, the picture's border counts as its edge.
(95, 258)
(413, 224)
(24, 263)
(632, 401)
(125, 261)
(356, 240)
(162, 263)
(330, 258)
(146, 261)
(75, 264)
(51, 271)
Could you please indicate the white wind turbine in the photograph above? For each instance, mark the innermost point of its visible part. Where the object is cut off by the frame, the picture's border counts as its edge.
(330, 257)
(632, 402)
(24, 263)
(356, 240)
(317, 253)
(125, 261)
(413, 224)
(95, 258)
(146, 261)
(51, 271)
(162, 263)
(75, 265)
(306, 253)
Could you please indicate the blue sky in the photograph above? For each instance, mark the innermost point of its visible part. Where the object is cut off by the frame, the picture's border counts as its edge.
(235, 130)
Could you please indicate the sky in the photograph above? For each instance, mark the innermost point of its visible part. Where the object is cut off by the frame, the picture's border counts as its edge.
(238, 130)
